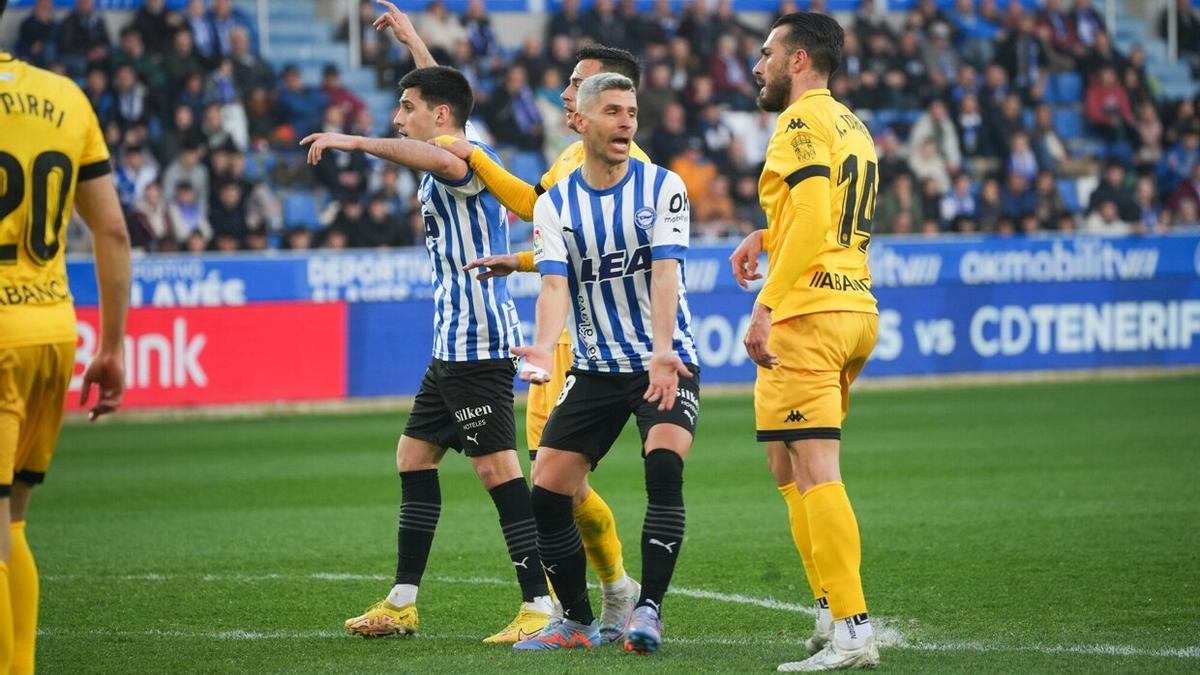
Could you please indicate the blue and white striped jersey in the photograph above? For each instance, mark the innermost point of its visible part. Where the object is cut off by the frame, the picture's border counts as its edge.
(604, 242)
(473, 320)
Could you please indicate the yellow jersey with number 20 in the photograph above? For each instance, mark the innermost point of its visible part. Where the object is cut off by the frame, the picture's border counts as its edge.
(818, 190)
(50, 139)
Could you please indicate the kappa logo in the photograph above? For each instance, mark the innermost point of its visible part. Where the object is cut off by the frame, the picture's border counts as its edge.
(665, 545)
(796, 123)
(524, 564)
(795, 416)
(644, 217)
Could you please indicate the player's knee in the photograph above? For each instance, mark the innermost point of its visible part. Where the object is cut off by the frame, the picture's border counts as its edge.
(496, 468)
(664, 476)
(779, 463)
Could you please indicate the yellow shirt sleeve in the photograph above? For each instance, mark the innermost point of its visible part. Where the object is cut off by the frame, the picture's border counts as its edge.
(515, 194)
(802, 158)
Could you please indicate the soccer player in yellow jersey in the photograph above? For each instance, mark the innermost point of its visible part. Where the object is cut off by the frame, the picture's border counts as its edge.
(52, 155)
(597, 527)
(815, 320)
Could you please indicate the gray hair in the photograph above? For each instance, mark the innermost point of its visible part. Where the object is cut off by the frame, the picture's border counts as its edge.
(598, 84)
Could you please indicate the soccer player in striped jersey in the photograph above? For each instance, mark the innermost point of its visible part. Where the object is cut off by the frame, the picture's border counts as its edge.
(597, 527)
(610, 240)
(465, 400)
(815, 321)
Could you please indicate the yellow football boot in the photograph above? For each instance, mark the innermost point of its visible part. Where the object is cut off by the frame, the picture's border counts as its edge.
(383, 619)
(529, 622)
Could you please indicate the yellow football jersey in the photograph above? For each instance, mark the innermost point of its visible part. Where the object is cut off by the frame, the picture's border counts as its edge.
(571, 158)
(818, 190)
(49, 140)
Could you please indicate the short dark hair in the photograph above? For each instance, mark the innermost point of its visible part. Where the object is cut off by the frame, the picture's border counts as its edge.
(819, 35)
(613, 60)
(442, 85)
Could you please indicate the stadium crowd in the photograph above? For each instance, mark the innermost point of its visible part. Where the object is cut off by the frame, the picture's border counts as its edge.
(984, 118)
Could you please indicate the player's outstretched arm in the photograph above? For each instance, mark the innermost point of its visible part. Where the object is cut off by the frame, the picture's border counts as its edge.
(745, 258)
(552, 303)
(404, 151)
(404, 31)
(515, 194)
(97, 202)
(665, 365)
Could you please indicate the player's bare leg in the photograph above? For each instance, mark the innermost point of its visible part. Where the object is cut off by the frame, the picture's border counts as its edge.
(837, 553)
(500, 473)
(792, 480)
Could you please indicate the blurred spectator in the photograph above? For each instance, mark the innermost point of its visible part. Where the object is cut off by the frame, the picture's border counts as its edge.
(225, 19)
(216, 128)
(181, 61)
(1188, 25)
(716, 207)
(204, 35)
(934, 125)
(730, 76)
(297, 239)
(341, 173)
(1100, 56)
(148, 225)
(1062, 37)
(83, 38)
(899, 198)
(154, 22)
(697, 172)
(187, 168)
(699, 29)
(397, 187)
(670, 138)
(1086, 23)
(958, 202)
(1022, 55)
(1114, 188)
(1151, 218)
(989, 207)
(132, 174)
(1021, 159)
(249, 70)
(222, 88)
(941, 59)
(299, 106)
(1187, 217)
(37, 38)
(567, 22)
(260, 117)
(1050, 207)
(513, 116)
(1106, 220)
(373, 48)
(1180, 159)
(441, 30)
(227, 214)
(334, 238)
(133, 103)
(379, 227)
(96, 88)
(187, 217)
(337, 94)
(747, 209)
(927, 164)
(1187, 191)
(653, 99)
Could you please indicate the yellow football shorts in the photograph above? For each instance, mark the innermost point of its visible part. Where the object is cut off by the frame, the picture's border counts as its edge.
(543, 397)
(33, 390)
(808, 394)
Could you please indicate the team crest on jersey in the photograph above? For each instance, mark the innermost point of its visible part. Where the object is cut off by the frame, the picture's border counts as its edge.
(802, 145)
(644, 217)
(537, 241)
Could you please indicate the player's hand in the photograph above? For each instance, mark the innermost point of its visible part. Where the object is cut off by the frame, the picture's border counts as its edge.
(455, 146)
(538, 363)
(665, 370)
(745, 258)
(496, 266)
(397, 21)
(325, 140)
(106, 371)
(757, 335)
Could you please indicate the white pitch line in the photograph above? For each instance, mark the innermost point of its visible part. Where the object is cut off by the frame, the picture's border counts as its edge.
(886, 634)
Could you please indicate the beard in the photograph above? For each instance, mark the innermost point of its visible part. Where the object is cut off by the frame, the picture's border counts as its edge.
(774, 95)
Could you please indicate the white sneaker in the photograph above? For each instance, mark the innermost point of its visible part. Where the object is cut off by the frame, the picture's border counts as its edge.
(617, 607)
(833, 657)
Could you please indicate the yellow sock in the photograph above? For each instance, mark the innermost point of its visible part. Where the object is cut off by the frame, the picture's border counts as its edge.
(798, 519)
(836, 548)
(6, 621)
(23, 585)
(598, 530)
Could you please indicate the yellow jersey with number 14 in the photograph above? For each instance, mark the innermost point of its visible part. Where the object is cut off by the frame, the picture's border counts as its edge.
(818, 190)
(50, 141)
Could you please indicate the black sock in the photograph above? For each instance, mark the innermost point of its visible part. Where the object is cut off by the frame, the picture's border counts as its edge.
(520, 534)
(662, 532)
(562, 552)
(420, 506)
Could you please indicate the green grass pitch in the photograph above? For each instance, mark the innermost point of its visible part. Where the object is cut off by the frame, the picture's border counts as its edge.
(1006, 528)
